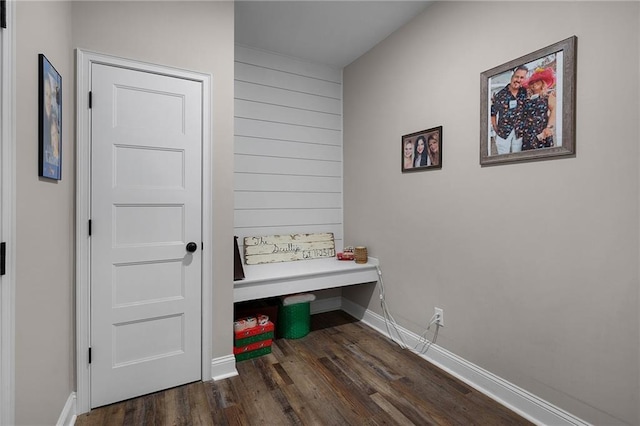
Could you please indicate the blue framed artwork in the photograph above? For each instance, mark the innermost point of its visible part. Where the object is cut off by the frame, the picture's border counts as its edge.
(50, 120)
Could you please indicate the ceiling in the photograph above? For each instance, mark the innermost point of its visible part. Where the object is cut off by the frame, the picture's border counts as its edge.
(327, 32)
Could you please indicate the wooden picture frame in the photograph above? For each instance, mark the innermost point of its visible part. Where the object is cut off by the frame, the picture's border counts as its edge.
(421, 150)
(527, 106)
(50, 120)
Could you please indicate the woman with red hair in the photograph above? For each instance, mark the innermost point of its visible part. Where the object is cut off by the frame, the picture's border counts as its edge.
(538, 113)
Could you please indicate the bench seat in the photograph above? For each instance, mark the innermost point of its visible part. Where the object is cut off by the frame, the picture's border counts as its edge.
(279, 279)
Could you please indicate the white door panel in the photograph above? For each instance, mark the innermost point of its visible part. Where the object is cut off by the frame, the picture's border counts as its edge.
(164, 167)
(145, 208)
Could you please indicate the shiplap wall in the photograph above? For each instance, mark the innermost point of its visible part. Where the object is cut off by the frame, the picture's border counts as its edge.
(288, 146)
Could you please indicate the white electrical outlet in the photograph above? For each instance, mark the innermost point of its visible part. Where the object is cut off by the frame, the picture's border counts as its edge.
(439, 312)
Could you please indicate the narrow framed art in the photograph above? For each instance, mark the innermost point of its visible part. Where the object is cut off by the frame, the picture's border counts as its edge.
(421, 150)
(50, 120)
(527, 106)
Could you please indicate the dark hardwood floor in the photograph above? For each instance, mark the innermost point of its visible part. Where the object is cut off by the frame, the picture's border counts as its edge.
(342, 373)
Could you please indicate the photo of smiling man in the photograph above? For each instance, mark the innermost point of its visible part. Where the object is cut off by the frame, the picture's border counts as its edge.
(506, 113)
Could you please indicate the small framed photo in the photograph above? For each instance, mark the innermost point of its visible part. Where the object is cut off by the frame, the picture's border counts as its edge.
(50, 120)
(527, 106)
(422, 150)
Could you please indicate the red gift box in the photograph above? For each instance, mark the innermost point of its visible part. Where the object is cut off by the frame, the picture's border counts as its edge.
(252, 347)
(258, 329)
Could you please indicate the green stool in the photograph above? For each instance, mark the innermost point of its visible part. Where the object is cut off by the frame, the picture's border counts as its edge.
(294, 321)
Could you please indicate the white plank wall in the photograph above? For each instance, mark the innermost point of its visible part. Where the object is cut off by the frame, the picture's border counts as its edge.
(288, 146)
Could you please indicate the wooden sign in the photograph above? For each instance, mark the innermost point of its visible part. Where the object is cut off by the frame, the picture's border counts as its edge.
(286, 248)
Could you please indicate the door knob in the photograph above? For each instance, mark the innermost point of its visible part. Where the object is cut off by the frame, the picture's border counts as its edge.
(191, 247)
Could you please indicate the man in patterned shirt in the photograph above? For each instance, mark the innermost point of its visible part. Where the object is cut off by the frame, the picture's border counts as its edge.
(506, 111)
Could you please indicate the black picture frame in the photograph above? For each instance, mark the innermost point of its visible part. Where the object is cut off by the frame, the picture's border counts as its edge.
(238, 270)
(550, 77)
(426, 159)
(49, 120)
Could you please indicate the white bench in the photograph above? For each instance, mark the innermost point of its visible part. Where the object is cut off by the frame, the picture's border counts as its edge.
(278, 279)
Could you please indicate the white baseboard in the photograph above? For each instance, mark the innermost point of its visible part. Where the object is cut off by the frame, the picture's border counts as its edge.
(511, 396)
(68, 415)
(326, 305)
(223, 367)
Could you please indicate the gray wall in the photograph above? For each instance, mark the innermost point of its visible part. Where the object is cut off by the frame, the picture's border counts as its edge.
(535, 264)
(44, 352)
(191, 35)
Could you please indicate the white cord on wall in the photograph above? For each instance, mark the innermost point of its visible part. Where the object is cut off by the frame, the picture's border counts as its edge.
(388, 319)
(426, 344)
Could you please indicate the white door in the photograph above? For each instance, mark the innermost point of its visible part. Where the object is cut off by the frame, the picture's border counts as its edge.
(146, 150)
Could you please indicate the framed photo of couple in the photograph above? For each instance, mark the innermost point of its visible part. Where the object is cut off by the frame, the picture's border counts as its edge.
(527, 106)
(422, 150)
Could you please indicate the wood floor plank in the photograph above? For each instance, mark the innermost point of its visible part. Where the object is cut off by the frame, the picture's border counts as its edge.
(250, 398)
(391, 410)
(306, 411)
(219, 394)
(198, 405)
(234, 416)
(115, 414)
(110, 415)
(257, 388)
(268, 375)
(351, 391)
(285, 380)
(315, 385)
(176, 406)
(350, 401)
(379, 372)
(439, 408)
(409, 364)
(379, 380)
(219, 398)
(342, 373)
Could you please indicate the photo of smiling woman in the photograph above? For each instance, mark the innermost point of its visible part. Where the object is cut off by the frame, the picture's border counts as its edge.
(422, 150)
(433, 150)
(408, 154)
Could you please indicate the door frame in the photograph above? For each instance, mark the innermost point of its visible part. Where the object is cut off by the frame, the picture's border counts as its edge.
(84, 60)
(7, 217)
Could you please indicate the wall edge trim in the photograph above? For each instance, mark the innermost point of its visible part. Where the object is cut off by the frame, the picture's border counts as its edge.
(68, 414)
(223, 367)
